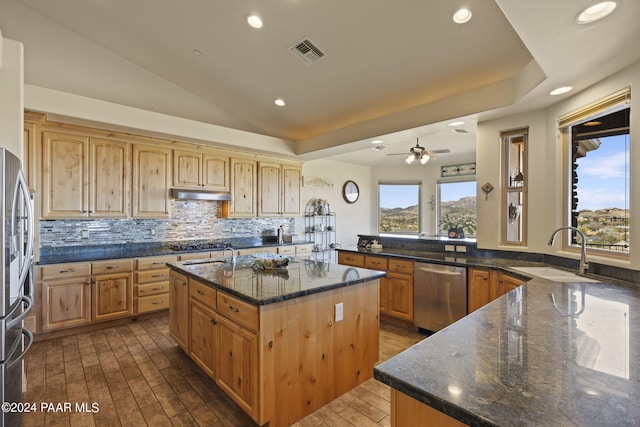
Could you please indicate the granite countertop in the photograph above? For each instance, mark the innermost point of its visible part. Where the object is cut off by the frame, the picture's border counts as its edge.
(300, 278)
(77, 253)
(529, 359)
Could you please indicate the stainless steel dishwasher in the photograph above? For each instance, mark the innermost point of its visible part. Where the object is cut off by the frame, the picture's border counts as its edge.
(439, 295)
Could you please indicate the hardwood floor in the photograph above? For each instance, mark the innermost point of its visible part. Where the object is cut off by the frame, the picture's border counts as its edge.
(137, 376)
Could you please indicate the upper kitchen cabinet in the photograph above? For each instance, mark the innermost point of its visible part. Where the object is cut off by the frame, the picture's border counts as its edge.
(279, 189)
(84, 176)
(31, 165)
(151, 181)
(200, 169)
(243, 188)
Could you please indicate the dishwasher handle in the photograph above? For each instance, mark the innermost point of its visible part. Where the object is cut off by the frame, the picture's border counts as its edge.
(441, 272)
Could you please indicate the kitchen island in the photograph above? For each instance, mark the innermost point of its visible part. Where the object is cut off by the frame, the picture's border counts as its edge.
(281, 343)
(548, 353)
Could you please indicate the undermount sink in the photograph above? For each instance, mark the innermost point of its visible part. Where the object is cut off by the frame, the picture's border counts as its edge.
(553, 274)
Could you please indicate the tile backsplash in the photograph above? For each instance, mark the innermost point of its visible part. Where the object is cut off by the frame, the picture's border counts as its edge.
(188, 220)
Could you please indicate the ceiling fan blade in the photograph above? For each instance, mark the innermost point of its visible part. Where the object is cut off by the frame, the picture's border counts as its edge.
(398, 154)
(443, 150)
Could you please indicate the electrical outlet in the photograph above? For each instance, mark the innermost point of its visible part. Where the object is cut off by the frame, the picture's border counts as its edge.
(84, 234)
(153, 231)
(339, 312)
(461, 249)
(449, 248)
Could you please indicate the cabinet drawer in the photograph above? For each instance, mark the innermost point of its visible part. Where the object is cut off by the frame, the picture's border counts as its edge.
(112, 266)
(61, 271)
(287, 250)
(375, 262)
(152, 289)
(152, 303)
(239, 311)
(400, 266)
(347, 258)
(203, 293)
(196, 255)
(159, 275)
(304, 249)
(149, 263)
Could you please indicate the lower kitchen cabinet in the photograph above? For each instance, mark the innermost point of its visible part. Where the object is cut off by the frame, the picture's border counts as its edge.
(485, 286)
(400, 291)
(204, 337)
(66, 295)
(179, 309)
(112, 296)
(238, 358)
(152, 283)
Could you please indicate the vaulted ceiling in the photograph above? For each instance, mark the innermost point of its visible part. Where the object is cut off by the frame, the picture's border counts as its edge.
(396, 69)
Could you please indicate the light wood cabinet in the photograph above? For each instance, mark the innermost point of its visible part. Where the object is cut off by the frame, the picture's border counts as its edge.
(84, 177)
(279, 189)
(112, 289)
(204, 337)
(151, 283)
(243, 188)
(485, 286)
(66, 295)
(151, 181)
(380, 263)
(347, 258)
(200, 169)
(32, 144)
(400, 290)
(179, 309)
(396, 290)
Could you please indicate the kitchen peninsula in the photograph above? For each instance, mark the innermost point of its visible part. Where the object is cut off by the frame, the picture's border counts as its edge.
(280, 343)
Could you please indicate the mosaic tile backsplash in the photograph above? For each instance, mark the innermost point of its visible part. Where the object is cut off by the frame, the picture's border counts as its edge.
(188, 220)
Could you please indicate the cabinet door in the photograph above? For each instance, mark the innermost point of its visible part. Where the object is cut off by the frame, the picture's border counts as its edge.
(384, 295)
(400, 291)
(215, 172)
(66, 303)
(243, 188)
(32, 138)
(109, 178)
(291, 190)
(478, 289)
(64, 176)
(187, 168)
(269, 189)
(151, 181)
(510, 283)
(179, 309)
(237, 372)
(204, 337)
(112, 296)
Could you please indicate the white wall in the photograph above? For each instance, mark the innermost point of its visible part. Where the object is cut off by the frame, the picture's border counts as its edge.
(351, 219)
(11, 99)
(546, 170)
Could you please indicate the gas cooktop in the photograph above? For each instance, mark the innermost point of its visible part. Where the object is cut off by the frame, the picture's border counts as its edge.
(196, 245)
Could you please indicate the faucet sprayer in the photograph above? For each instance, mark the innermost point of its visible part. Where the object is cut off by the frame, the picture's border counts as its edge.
(584, 264)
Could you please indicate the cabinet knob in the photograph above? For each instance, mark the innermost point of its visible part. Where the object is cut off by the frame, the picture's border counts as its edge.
(214, 321)
(200, 292)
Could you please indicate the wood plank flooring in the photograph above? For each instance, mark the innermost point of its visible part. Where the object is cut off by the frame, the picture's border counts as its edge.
(138, 377)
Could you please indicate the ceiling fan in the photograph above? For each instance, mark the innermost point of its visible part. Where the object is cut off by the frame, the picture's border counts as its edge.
(420, 153)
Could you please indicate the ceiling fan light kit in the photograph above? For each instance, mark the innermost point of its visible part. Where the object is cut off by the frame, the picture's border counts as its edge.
(419, 153)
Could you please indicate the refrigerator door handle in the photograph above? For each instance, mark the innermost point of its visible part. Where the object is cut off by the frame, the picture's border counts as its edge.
(18, 358)
(21, 187)
(29, 306)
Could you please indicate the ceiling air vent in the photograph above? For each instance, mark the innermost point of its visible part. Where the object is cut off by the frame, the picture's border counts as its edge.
(460, 131)
(306, 51)
(378, 147)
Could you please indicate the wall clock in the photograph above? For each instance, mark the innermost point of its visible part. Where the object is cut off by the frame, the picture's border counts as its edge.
(350, 191)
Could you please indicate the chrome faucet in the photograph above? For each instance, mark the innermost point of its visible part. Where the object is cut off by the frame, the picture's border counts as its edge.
(584, 264)
(232, 260)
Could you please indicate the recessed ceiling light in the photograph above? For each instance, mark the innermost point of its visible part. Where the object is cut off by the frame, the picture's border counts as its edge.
(596, 12)
(462, 16)
(254, 21)
(560, 90)
(456, 123)
(377, 141)
(279, 102)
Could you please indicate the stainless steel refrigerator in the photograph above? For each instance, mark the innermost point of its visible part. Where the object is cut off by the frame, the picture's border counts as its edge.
(16, 297)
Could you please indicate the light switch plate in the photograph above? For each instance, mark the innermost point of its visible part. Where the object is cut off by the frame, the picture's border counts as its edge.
(84, 234)
(339, 312)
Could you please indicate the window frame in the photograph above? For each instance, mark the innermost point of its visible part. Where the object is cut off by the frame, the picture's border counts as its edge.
(418, 183)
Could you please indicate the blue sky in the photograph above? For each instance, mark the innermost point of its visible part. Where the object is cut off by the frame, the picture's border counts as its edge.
(603, 175)
(402, 196)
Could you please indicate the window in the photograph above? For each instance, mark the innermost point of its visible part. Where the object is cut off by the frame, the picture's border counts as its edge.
(598, 195)
(399, 208)
(457, 207)
(514, 195)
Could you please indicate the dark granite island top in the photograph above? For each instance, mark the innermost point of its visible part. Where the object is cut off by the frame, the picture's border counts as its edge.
(545, 354)
(300, 278)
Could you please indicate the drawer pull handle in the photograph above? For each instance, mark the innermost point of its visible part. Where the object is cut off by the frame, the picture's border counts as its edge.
(156, 276)
(157, 263)
(157, 302)
(200, 292)
(158, 289)
(113, 267)
(214, 322)
(71, 270)
(234, 309)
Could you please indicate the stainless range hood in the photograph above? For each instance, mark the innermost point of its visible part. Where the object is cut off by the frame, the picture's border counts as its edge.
(183, 194)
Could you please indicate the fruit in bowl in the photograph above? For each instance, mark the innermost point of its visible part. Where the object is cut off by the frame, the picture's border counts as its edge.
(270, 264)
